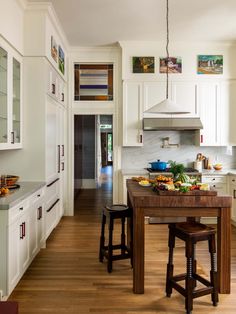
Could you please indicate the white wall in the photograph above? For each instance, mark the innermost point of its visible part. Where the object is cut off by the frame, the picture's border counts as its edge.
(12, 23)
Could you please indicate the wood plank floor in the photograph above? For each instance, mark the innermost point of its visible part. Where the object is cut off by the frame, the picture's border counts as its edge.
(67, 277)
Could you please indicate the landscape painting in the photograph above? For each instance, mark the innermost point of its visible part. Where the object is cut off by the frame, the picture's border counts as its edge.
(61, 60)
(143, 64)
(210, 64)
(174, 65)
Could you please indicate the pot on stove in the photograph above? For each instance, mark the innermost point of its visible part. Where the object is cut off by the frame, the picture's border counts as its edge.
(158, 165)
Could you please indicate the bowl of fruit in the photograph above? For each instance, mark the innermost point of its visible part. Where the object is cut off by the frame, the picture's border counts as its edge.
(218, 166)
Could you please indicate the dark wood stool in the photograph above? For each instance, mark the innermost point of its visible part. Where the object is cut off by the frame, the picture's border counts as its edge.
(116, 211)
(191, 233)
(8, 307)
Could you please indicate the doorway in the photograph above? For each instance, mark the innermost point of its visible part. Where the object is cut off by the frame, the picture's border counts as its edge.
(93, 157)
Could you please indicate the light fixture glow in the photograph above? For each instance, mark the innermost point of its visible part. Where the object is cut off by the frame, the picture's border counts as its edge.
(166, 106)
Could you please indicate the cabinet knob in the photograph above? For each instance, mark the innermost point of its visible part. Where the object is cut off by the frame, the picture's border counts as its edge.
(233, 180)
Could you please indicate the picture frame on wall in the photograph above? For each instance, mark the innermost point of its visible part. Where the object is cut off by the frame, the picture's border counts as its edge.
(54, 51)
(174, 65)
(143, 64)
(61, 60)
(210, 64)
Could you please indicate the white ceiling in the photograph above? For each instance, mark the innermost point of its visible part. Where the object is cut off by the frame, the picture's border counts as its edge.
(104, 22)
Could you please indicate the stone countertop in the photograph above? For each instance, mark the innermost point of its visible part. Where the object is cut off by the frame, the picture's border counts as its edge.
(219, 172)
(134, 172)
(17, 195)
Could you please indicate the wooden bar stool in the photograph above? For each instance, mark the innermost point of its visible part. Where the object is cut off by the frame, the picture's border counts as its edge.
(116, 211)
(191, 233)
(8, 307)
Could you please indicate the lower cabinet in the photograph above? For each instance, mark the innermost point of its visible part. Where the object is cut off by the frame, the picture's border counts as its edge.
(232, 190)
(24, 229)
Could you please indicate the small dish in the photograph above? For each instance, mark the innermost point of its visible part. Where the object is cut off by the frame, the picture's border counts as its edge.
(218, 167)
(144, 184)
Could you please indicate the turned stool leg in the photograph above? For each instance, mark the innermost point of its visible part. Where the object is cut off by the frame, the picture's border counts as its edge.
(189, 282)
(110, 247)
(170, 266)
(123, 235)
(194, 265)
(213, 272)
(102, 239)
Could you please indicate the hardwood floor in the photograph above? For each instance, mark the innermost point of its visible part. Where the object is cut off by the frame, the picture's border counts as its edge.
(67, 277)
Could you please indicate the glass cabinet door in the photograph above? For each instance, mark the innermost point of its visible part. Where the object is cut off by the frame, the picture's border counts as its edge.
(16, 102)
(3, 97)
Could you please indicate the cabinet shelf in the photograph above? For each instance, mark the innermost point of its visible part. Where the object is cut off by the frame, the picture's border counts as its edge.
(3, 118)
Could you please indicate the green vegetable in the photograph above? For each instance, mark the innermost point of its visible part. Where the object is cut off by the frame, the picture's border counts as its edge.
(183, 177)
(184, 189)
(176, 168)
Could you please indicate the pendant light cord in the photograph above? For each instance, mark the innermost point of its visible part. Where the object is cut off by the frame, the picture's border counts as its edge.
(167, 48)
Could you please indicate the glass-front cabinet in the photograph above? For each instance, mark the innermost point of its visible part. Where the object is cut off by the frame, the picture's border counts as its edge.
(10, 98)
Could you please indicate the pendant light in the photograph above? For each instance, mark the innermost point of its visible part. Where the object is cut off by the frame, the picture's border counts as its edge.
(166, 106)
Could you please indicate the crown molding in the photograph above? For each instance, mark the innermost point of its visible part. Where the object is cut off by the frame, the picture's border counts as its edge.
(48, 8)
(23, 3)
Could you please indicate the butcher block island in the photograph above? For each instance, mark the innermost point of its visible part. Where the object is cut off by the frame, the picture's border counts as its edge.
(146, 202)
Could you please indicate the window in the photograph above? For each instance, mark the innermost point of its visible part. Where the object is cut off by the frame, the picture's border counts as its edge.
(93, 82)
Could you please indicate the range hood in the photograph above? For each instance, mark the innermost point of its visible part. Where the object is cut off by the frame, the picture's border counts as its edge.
(159, 124)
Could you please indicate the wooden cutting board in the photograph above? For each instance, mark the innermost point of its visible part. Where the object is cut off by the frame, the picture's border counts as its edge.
(195, 193)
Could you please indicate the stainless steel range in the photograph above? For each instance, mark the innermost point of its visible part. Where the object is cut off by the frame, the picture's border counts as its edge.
(192, 173)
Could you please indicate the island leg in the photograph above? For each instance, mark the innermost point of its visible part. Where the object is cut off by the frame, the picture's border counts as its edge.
(223, 250)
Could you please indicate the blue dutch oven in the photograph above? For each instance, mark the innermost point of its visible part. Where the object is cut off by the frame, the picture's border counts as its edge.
(158, 165)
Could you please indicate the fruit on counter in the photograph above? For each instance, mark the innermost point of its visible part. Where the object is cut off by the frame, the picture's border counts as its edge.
(162, 178)
(138, 179)
(144, 182)
(4, 191)
(194, 187)
(205, 187)
(218, 167)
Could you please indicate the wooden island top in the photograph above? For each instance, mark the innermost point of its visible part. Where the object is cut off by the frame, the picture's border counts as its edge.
(146, 202)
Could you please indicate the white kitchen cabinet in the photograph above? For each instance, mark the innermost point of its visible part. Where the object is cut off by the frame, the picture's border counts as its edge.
(209, 102)
(227, 113)
(22, 234)
(232, 190)
(132, 114)
(10, 97)
(217, 182)
(18, 243)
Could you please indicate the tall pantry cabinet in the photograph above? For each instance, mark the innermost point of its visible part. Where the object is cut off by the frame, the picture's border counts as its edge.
(45, 95)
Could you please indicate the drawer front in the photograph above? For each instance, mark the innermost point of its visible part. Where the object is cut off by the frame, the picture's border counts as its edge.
(18, 210)
(214, 179)
(37, 196)
(52, 190)
(221, 188)
(232, 179)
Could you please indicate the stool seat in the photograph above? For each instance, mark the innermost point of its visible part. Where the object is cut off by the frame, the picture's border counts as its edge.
(8, 307)
(112, 212)
(191, 233)
(193, 229)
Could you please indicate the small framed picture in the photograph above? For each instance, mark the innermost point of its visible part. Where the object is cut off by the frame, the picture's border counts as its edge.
(61, 60)
(210, 64)
(174, 65)
(143, 64)
(54, 52)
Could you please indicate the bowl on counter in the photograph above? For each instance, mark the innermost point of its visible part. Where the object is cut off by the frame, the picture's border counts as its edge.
(8, 180)
(218, 167)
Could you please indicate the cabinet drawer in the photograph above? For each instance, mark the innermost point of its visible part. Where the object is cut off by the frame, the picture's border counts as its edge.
(51, 215)
(18, 210)
(52, 190)
(37, 196)
(214, 179)
(232, 180)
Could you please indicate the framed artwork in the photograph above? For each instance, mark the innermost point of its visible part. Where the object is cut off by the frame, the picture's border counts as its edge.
(54, 52)
(174, 65)
(210, 64)
(143, 64)
(61, 60)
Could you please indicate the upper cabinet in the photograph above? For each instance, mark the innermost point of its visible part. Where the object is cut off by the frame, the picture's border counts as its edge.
(10, 98)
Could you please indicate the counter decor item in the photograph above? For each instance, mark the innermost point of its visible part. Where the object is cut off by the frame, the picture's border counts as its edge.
(218, 166)
(8, 180)
(158, 165)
